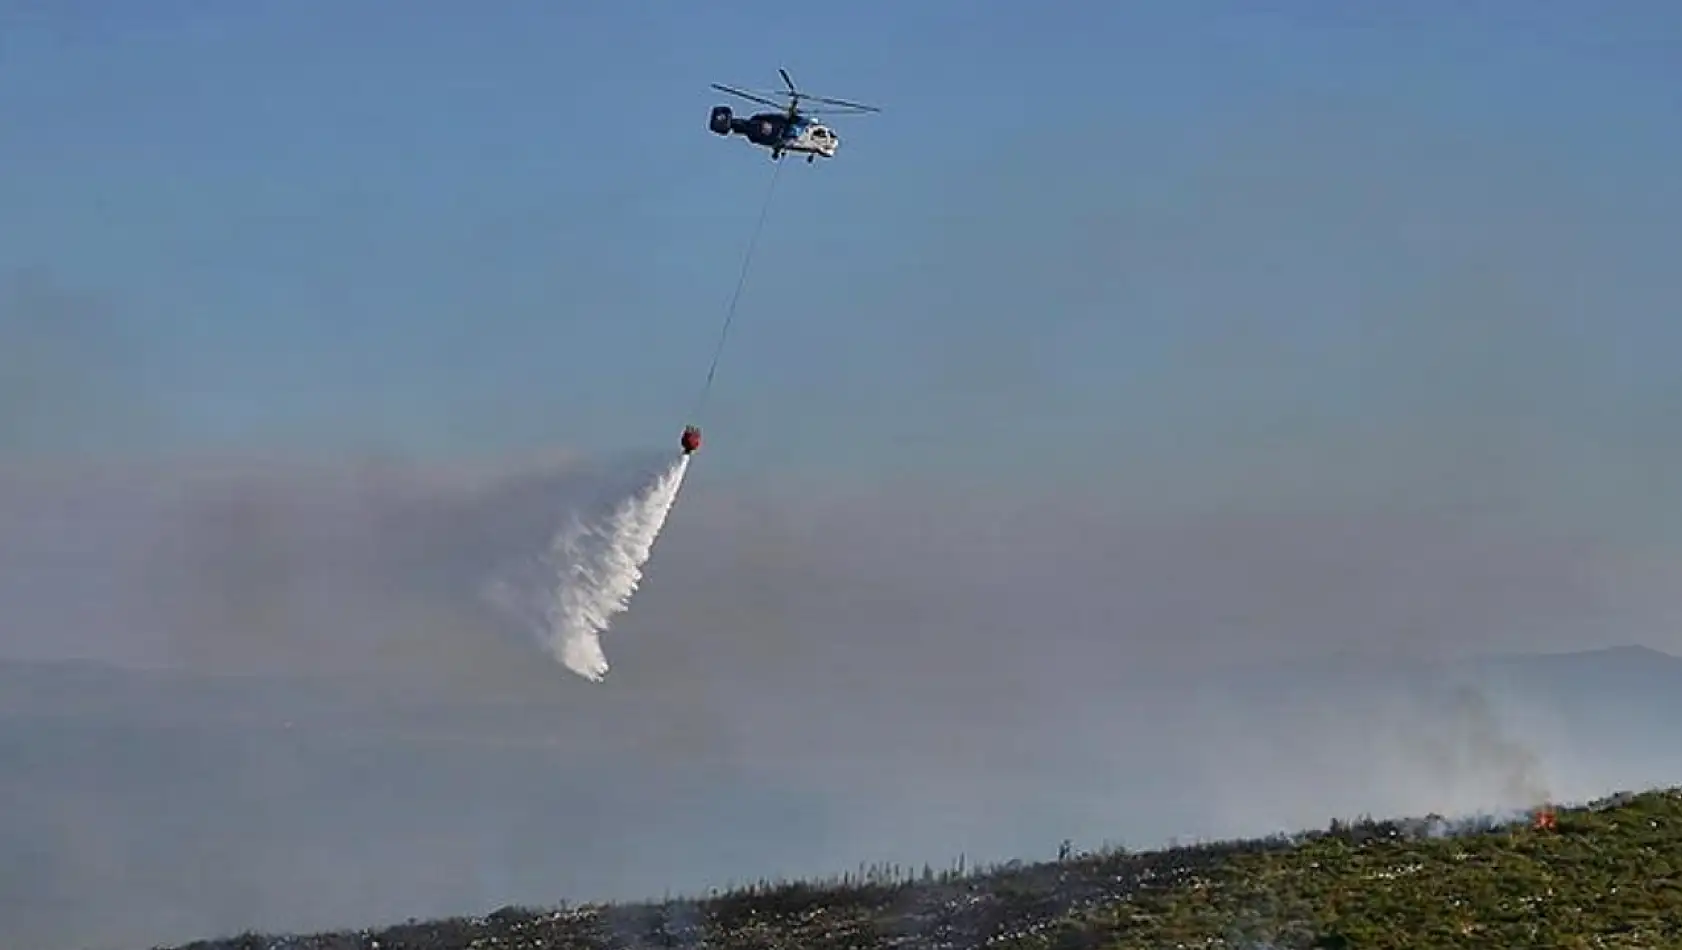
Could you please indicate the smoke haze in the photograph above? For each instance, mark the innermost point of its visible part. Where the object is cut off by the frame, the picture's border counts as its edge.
(801, 685)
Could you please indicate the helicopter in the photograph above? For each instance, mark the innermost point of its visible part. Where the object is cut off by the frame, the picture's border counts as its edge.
(789, 130)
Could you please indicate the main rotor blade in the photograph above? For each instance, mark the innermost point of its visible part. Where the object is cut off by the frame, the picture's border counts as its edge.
(747, 95)
(841, 102)
(786, 81)
(836, 111)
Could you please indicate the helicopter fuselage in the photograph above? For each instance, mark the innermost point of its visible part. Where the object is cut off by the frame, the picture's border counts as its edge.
(778, 132)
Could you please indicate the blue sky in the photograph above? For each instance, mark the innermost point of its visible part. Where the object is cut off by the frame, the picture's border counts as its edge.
(1100, 233)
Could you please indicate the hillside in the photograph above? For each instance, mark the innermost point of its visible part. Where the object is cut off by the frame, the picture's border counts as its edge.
(154, 807)
(1607, 874)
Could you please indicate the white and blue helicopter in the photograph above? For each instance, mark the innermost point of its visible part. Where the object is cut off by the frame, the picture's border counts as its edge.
(789, 130)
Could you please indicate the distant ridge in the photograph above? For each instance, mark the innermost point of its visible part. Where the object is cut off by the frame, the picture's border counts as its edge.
(1627, 653)
(1632, 655)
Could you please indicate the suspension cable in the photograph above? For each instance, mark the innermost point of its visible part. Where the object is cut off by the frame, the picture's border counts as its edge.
(736, 296)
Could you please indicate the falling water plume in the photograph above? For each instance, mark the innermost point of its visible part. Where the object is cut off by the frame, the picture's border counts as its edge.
(592, 569)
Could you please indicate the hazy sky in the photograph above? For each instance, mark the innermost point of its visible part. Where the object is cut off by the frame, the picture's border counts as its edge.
(1122, 337)
(1165, 274)
(1198, 258)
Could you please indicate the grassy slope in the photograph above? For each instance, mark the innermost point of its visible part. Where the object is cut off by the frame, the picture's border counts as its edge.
(1609, 875)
